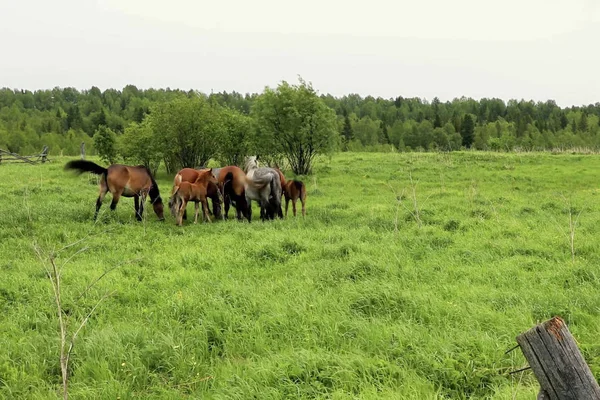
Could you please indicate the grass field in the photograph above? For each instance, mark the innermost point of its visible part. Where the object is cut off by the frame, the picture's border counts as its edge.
(363, 298)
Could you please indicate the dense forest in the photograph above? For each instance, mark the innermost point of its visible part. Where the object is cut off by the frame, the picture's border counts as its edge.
(62, 118)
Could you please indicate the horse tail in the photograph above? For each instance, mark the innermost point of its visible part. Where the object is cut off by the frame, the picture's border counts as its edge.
(302, 189)
(82, 166)
(276, 188)
(276, 191)
(299, 187)
(177, 179)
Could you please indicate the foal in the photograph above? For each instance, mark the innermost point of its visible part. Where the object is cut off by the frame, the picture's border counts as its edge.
(196, 192)
(294, 190)
(190, 175)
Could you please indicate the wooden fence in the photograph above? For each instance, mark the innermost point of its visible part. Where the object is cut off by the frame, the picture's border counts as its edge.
(8, 157)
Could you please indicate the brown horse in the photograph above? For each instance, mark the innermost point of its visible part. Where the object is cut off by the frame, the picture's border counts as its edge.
(196, 192)
(281, 178)
(190, 175)
(232, 182)
(123, 180)
(294, 190)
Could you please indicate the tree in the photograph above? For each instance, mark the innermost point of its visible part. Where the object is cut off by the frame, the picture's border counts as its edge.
(139, 145)
(467, 130)
(238, 138)
(347, 132)
(384, 137)
(105, 141)
(367, 131)
(583, 123)
(188, 129)
(293, 121)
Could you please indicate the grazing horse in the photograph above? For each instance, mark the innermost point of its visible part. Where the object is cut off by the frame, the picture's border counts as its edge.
(281, 178)
(264, 186)
(294, 190)
(232, 182)
(190, 175)
(196, 192)
(123, 180)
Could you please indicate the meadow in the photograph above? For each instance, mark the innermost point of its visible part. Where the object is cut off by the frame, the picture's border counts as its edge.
(410, 277)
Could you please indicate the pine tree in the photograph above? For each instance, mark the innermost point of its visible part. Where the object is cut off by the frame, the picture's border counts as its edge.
(385, 137)
(101, 118)
(583, 123)
(467, 130)
(437, 122)
(347, 130)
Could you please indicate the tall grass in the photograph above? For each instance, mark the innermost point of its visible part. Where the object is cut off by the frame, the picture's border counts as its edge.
(356, 300)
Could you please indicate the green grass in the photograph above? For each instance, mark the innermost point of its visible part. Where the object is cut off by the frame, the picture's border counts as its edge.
(357, 300)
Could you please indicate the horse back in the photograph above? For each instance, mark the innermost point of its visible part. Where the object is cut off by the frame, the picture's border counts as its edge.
(236, 175)
(185, 175)
(128, 180)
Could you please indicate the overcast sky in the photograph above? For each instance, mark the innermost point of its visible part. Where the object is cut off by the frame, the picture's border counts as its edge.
(531, 49)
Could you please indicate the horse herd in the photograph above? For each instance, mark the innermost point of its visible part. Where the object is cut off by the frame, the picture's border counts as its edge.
(228, 185)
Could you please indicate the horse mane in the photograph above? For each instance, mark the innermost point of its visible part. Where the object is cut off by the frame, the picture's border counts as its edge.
(250, 161)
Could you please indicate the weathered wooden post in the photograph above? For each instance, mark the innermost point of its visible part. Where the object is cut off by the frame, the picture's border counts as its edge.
(557, 362)
(82, 148)
(44, 154)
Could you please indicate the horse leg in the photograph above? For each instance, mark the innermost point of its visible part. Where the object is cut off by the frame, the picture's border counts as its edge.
(103, 191)
(142, 205)
(136, 202)
(196, 214)
(216, 206)
(287, 205)
(206, 210)
(294, 206)
(227, 205)
(115, 201)
(181, 211)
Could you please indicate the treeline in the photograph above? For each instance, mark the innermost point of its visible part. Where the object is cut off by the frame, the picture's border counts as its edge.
(62, 118)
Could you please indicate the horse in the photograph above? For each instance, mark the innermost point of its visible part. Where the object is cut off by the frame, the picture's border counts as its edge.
(123, 180)
(196, 192)
(281, 178)
(294, 190)
(190, 175)
(264, 186)
(232, 182)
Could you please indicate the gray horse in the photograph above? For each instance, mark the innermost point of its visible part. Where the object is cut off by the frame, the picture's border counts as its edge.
(263, 185)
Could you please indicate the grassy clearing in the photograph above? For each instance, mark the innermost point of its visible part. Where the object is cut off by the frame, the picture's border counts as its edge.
(364, 298)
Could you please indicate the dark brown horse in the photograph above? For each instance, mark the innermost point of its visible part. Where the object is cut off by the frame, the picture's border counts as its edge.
(232, 182)
(196, 192)
(123, 180)
(190, 175)
(294, 190)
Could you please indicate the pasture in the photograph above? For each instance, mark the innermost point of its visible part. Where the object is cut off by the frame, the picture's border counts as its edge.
(365, 297)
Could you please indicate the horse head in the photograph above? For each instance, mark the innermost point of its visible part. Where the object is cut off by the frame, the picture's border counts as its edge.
(158, 207)
(251, 163)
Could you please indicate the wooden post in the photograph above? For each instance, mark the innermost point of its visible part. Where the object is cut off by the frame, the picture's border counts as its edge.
(44, 154)
(82, 148)
(557, 362)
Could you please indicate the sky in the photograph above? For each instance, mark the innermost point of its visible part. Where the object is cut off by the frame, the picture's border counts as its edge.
(511, 49)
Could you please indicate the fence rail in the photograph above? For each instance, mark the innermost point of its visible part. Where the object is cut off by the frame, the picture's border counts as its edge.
(9, 157)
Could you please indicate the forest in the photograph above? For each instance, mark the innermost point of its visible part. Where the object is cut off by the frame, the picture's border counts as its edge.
(63, 118)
